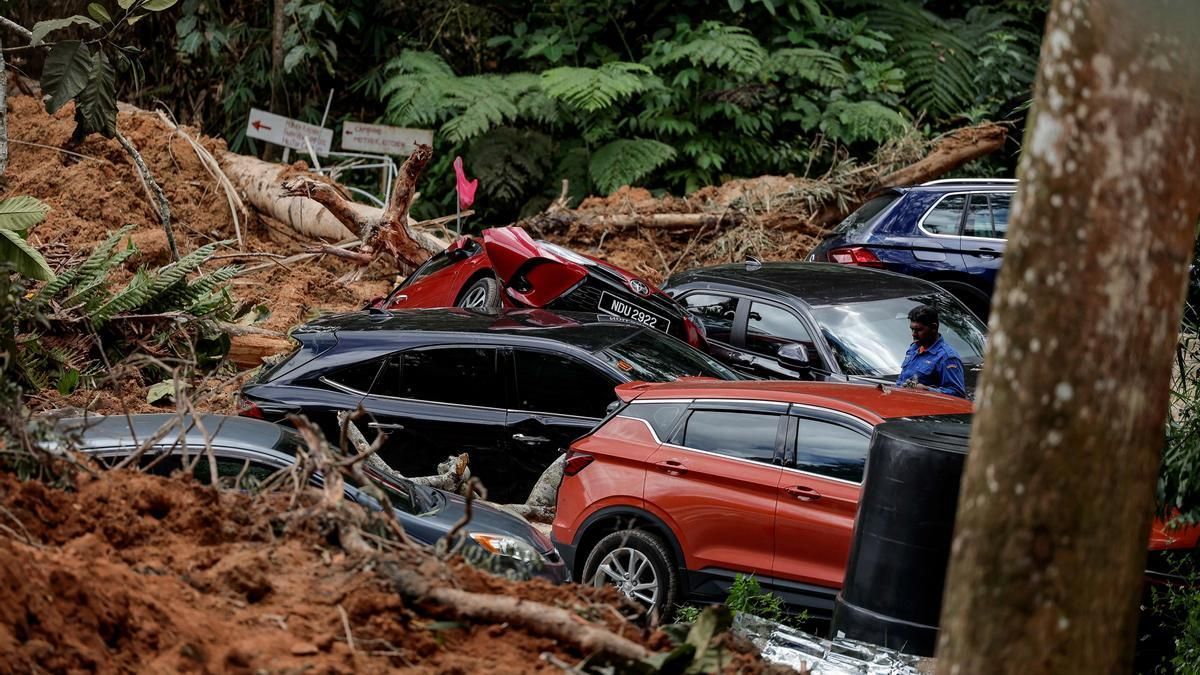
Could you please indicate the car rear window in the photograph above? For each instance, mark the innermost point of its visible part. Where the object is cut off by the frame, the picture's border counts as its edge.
(661, 416)
(868, 213)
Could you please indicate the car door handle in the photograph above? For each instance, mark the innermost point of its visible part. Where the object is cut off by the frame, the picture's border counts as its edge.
(672, 467)
(804, 494)
(386, 426)
(530, 440)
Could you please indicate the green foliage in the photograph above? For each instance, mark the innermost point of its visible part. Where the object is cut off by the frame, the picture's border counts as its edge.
(170, 308)
(17, 215)
(594, 89)
(626, 161)
(746, 595)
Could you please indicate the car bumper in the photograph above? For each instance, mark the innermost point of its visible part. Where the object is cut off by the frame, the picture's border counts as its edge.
(567, 553)
(555, 568)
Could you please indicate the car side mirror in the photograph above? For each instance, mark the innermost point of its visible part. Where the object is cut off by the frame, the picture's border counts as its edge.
(794, 355)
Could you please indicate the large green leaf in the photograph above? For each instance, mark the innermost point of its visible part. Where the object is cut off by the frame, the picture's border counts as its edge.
(98, 100)
(158, 5)
(98, 12)
(65, 73)
(21, 213)
(43, 28)
(23, 257)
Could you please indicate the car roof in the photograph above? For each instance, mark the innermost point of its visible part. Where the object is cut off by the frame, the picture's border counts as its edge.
(813, 282)
(121, 431)
(589, 331)
(870, 402)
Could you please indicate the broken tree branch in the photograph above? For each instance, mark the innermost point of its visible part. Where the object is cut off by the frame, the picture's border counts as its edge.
(163, 207)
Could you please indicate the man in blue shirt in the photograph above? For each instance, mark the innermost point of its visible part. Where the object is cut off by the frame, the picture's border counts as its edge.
(931, 363)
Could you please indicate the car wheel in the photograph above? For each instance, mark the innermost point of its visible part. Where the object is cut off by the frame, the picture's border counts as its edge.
(483, 293)
(639, 565)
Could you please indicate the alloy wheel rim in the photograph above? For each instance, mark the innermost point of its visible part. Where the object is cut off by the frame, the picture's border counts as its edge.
(631, 572)
(475, 298)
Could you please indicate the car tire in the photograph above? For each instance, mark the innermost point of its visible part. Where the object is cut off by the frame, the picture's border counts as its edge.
(629, 560)
(483, 293)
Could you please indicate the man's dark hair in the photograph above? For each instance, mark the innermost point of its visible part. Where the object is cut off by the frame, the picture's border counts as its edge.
(924, 315)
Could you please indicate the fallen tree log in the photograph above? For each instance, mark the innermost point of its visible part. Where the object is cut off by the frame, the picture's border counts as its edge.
(808, 204)
(262, 185)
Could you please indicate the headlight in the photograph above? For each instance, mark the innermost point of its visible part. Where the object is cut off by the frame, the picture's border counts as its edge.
(504, 545)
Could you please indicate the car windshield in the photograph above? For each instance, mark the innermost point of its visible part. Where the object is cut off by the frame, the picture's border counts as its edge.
(651, 356)
(871, 338)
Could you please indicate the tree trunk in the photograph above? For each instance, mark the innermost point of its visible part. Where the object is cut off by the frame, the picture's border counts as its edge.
(3, 113)
(260, 182)
(1057, 500)
(278, 24)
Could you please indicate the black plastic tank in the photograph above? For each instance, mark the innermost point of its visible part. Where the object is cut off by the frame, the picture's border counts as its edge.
(892, 592)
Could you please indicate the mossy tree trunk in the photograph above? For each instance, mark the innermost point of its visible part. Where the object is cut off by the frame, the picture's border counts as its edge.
(1057, 499)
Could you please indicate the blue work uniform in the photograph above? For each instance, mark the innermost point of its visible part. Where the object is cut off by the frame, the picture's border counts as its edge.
(937, 367)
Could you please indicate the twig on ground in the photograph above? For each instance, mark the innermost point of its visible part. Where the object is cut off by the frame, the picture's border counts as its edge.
(346, 626)
(152, 186)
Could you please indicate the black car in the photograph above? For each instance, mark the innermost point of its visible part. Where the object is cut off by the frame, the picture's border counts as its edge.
(511, 388)
(249, 452)
(852, 322)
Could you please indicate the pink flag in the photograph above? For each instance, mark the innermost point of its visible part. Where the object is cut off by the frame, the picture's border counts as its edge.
(466, 188)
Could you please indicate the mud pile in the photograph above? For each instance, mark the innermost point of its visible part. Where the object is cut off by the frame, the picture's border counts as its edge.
(129, 572)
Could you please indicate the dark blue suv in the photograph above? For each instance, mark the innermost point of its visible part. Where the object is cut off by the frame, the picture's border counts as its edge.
(950, 232)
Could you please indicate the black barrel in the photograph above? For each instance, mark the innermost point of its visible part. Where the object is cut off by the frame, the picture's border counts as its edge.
(892, 593)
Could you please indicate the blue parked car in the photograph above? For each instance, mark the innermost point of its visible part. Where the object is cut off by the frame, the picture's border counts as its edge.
(951, 232)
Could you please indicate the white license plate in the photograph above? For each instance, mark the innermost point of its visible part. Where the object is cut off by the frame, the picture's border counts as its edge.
(611, 304)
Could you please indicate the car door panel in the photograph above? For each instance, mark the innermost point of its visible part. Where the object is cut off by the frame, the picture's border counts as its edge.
(723, 506)
(816, 512)
(442, 402)
(985, 228)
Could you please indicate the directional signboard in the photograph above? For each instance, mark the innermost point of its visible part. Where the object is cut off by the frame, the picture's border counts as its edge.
(382, 139)
(288, 132)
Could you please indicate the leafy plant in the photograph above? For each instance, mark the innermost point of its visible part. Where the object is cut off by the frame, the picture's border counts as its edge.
(167, 312)
(17, 216)
(82, 69)
(746, 595)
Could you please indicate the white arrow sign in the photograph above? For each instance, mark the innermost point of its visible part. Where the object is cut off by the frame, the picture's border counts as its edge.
(288, 132)
(382, 139)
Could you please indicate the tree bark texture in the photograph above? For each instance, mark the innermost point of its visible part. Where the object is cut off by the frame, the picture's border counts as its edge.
(1057, 499)
(3, 113)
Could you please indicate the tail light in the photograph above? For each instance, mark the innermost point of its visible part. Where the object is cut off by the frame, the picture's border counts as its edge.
(694, 331)
(855, 255)
(248, 408)
(576, 461)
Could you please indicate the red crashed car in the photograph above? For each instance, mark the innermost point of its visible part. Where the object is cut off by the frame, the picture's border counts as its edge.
(505, 267)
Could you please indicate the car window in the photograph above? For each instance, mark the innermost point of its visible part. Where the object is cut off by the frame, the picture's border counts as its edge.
(435, 264)
(831, 450)
(867, 214)
(552, 383)
(978, 222)
(660, 416)
(235, 473)
(944, 217)
(744, 435)
(716, 312)
(359, 377)
(770, 327)
(461, 375)
(1001, 206)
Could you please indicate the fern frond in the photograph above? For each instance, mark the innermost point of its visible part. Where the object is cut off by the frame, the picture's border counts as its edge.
(625, 161)
(853, 121)
(482, 103)
(511, 164)
(135, 293)
(593, 89)
(720, 45)
(814, 65)
(96, 265)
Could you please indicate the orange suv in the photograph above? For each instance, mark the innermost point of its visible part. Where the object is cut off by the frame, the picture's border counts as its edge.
(690, 483)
